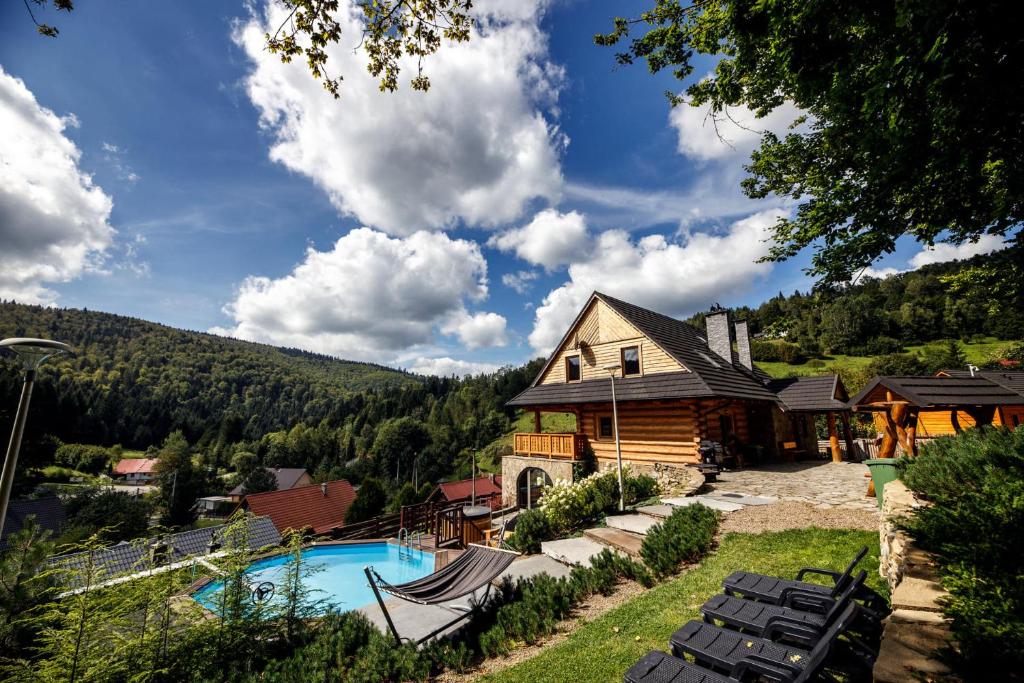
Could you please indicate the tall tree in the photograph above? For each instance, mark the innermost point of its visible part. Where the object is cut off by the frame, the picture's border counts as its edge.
(180, 482)
(912, 113)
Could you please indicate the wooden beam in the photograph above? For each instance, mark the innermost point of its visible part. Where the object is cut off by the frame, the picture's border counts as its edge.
(888, 447)
(833, 438)
(847, 434)
(536, 421)
(912, 433)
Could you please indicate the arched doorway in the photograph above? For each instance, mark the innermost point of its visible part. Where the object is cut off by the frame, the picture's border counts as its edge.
(530, 486)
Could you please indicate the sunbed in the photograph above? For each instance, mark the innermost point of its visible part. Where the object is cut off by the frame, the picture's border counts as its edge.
(776, 622)
(723, 648)
(659, 667)
(775, 590)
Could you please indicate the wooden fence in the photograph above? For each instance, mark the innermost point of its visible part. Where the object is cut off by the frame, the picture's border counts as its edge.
(382, 526)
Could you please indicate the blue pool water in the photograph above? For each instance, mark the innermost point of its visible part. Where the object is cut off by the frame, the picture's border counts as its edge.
(341, 581)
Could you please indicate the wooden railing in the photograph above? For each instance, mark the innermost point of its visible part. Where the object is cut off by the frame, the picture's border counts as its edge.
(561, 446)
(382, 526)
(449, 523)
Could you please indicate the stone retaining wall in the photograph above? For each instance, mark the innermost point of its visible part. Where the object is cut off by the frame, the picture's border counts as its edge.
(916, 628)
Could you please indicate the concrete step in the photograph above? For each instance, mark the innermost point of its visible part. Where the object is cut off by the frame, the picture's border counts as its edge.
(636, 524)
(572, 551)
(659, 512)
(710, 502)
(617, 539)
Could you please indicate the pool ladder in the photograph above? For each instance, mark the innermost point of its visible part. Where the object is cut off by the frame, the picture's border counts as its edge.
(404, 535)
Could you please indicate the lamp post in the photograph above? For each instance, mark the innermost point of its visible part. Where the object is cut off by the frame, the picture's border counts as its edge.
(32, 352)
(612, 368)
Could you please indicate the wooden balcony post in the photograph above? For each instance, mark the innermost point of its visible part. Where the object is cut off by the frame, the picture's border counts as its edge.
(536, 421)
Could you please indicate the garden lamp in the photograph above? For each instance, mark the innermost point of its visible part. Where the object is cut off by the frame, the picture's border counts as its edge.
(612, 368)
(32, 353)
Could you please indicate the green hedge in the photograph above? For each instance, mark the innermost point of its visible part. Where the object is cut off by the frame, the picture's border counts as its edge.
(777, 352)
(684, 536)
(975, 526)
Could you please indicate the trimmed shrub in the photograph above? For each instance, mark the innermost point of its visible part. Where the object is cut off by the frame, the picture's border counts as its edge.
(683, 537)
(777, 352)
(532, 529)
(639, 487)
(975, 526)
(570, 505)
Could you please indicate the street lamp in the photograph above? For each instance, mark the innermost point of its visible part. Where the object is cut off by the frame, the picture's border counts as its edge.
(32, 353)
(612, 368)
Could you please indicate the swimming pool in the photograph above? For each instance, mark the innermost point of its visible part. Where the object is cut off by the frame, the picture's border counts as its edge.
(341, 581)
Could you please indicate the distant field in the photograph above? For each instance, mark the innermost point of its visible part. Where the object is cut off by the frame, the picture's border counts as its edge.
(976, 352)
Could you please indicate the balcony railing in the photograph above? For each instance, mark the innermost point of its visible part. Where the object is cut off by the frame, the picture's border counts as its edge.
(561, 446)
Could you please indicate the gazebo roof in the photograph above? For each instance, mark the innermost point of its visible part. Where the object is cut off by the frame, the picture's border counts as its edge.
(926, 391)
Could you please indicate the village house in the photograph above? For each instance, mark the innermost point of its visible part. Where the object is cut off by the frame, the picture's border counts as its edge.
(136, 470)
(677, 389)
(321, 508)
(284, 477)
(487, 490)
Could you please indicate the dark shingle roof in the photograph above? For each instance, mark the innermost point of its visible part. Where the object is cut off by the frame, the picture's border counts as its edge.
(930, 392)
(127, 557)
(48, 511)
(709, 376)
(816, 394)
(284, 476)
(1014, 381)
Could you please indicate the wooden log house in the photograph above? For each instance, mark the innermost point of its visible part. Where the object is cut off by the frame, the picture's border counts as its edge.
(676, 388)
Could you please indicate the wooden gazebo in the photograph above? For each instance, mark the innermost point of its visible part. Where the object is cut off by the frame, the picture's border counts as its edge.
(900, 400)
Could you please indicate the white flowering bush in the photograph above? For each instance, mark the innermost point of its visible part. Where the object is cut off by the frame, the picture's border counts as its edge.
(568, 504)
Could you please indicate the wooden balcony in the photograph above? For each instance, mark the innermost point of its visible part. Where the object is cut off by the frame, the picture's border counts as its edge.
(555, 446)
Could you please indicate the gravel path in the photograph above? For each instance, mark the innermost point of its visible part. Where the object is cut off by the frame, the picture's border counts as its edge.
(787, 514)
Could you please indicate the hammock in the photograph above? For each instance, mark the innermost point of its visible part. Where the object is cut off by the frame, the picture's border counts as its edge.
(472, 570)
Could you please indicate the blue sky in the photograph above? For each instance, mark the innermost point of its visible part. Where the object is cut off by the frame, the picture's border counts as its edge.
(184, 176)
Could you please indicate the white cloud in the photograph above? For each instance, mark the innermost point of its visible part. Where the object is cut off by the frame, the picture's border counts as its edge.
(550, 240)
(477, 331)
(114, 156)
(878, 273)
(478, 147)
(54, 222)
(950, 252)
(370, 297)
(519, 281)
(449, 367)
(675, 277)
(730, 134)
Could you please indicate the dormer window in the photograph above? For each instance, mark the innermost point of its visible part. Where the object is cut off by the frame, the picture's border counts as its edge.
(572, 368)
(630, 361)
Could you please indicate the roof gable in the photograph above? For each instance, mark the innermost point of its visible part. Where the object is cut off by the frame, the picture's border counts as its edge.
(457, 490)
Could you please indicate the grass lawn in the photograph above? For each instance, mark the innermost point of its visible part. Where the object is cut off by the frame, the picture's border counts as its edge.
(595, 652)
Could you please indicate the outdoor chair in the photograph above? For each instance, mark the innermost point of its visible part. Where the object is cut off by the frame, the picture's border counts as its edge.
(721, 648)
(776, 591)
(803, 620)
(659, 667)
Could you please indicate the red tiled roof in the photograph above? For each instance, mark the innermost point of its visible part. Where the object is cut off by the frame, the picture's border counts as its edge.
(304, 506)
(135, 466)
(457, 490)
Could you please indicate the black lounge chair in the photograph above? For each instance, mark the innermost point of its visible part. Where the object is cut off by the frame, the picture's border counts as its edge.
(776, 622)
(470, 571)
(724, 649)
(774, 590)
(659, 667)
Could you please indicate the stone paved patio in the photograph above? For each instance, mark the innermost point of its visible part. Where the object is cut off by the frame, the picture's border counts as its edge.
(824, 485)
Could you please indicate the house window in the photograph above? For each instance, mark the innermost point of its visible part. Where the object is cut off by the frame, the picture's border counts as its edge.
(572, 369)
(630, 361)
(604, 427)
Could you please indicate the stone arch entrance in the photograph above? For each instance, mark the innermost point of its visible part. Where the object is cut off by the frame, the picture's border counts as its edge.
(512, 466)
(530, 487)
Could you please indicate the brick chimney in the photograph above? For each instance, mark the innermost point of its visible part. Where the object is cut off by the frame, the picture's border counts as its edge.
(743, 344)
(719, 332)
